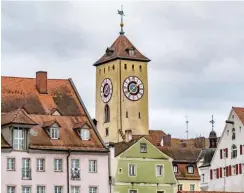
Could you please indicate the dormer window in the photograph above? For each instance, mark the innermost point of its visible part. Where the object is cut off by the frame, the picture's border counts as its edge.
(175, 167)
(109, 51)
(131, 52)
(83, 130)
(190, 169)
(85, 134)
(19, 138)
(54, 131)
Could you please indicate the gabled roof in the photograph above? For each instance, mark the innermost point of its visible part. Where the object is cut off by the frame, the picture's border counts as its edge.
(240, 113)
(62, 95)
(155, 137)
(183, 172)
(18, 116)
(4, 143)
(118, 50)
(206, 155)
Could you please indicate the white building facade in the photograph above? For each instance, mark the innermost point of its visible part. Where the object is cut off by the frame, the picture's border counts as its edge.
(227, 166)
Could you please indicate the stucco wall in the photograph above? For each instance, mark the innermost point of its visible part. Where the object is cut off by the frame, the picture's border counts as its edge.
(49, 178)
(186, 184)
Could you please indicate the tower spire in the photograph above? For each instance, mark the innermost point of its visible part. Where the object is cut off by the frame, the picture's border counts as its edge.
(212, 122)
(121, 13)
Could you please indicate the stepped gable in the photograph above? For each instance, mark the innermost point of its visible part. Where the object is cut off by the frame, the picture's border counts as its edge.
(38, 102)
(120, 50)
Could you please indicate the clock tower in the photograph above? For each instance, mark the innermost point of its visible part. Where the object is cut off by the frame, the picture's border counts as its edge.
(121, 91)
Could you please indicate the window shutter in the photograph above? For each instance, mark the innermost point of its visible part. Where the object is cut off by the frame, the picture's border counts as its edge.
(221, 154)
(236, 169)
(240, 168)
(240, 149)
(229, 170)
(220, 172)
(211, 174)
(226, 152)
(217, 171)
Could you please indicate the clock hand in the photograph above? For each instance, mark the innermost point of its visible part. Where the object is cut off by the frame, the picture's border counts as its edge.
(134, 88)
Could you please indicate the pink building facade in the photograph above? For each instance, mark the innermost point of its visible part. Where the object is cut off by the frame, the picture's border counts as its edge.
(48, 141)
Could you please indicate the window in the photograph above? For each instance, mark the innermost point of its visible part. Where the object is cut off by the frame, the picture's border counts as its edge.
(224, 153)
(140, 68)
(85, 134)
(26, 189)
(99, 71)
(104, 70)
(133, 191)
(58, 165)
(143, 148)
(92, 166)
(133, 67)
(18, 138)
(106, 132)
(125, 66)
(180, 187)
(131, 52)
(75, 163)
(214, 174)
(113, 67)
(224, 173)
(10, 189)
(233, 134)
(202, 177)
(10, 164)
(233, 151)
(159, 170)
(132, 170)
(139, 115)
(40, 166)
(127, 114)
(120, 170)
(92, 189)
(192, 187)
(227, 132)
(175, 169)
(159, 191)
(106, 113)
(54, 132)
(75, 189)
(58, 189)
(109, 68)
(190, 170)
(242, 169)
(40, 189)
(26, 170)
(234, 170)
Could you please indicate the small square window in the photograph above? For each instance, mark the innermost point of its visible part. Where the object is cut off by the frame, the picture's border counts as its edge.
(106, 132)
(10, 189)
(175, 169)
(40, 165)
(75, 189)
(192, 187)
(180, 187)
(85, 134)
(159, 170)
(132, 170)
(190, 170)
(26, 189)
(143, 148)
(133, 191)
(58, 165)
(120, 170)
(54, 132)
(40, 189)
(58, 189)
(92, 189)
(11, 164)
(92, 166)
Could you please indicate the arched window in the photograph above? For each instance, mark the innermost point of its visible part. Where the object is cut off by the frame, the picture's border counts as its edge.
(233, 151)
(233, 134)
(106, 113)
(140, 68)
(125, 66)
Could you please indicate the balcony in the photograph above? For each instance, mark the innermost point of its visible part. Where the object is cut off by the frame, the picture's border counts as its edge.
(75, 173)
(26, 173)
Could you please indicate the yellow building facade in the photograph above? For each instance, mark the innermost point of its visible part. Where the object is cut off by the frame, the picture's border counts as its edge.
(122, 92)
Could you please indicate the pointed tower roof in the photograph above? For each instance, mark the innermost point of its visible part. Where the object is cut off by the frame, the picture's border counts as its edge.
(122, 48)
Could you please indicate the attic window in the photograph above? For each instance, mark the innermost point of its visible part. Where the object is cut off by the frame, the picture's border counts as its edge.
(131, 52)
(190, 169)
(143, 148)
(109, 52)
(84, 133)
(54, 132)
(175, 167)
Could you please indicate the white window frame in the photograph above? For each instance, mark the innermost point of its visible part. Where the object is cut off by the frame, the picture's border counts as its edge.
(57, 188)
(92, 166)
(75, 163)
(10, 164)
(224, 172)
(58, 165)
(75, 189)
(175, 168)
(20, 145)
(234, 169)
(178, 187)
(194, 187)
(92, 188)
(54, 132)
(203, 177)
(159, 172)
(40, 189)
(132, 191)
(40, 164)
(85, 134)
(130, 169)
(11, 189)
(234, 151)
(25, 188)
(190, 171)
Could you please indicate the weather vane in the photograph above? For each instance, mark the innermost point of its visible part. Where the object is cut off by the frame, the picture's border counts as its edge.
(121, 13)
(212, 122)
(187, 122)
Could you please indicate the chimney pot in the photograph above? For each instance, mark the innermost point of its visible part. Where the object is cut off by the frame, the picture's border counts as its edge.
(41, 82)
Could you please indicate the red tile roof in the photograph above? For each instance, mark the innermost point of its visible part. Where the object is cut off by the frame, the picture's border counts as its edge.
(240, 113)
(183, 171)
(4, 143)
(119, 51)
(155, 136)
(22, 93)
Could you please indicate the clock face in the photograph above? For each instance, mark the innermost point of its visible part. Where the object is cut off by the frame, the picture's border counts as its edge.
(106, 90)
(133, 88)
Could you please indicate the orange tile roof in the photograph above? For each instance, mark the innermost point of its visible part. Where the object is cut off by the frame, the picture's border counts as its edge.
(183, 172)
(4, 143)
(119, 51)
(155, 136)
(240, 113)
(62, 95)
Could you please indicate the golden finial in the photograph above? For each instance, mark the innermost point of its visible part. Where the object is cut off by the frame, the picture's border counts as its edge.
(121, 12)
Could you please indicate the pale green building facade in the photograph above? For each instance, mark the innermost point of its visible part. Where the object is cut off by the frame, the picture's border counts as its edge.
(139, 167)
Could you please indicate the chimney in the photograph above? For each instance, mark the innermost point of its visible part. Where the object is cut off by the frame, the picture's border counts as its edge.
(41, 82)
(167, 140)
(128, 135)
(95, 122)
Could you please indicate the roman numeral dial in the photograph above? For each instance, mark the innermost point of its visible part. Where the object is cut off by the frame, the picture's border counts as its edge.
(133, 88)
(106, 90)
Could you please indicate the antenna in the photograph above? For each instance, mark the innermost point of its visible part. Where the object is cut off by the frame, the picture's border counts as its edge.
(187, 122)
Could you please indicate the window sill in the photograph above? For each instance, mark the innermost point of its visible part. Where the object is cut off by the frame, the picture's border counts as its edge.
(58, 170)
(40, 170)
(93, 172)
(10, 170)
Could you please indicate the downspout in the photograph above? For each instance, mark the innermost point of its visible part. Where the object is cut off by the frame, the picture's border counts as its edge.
(69, 151)
(109, 172)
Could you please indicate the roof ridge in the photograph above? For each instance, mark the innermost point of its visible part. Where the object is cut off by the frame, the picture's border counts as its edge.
(33, 78)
